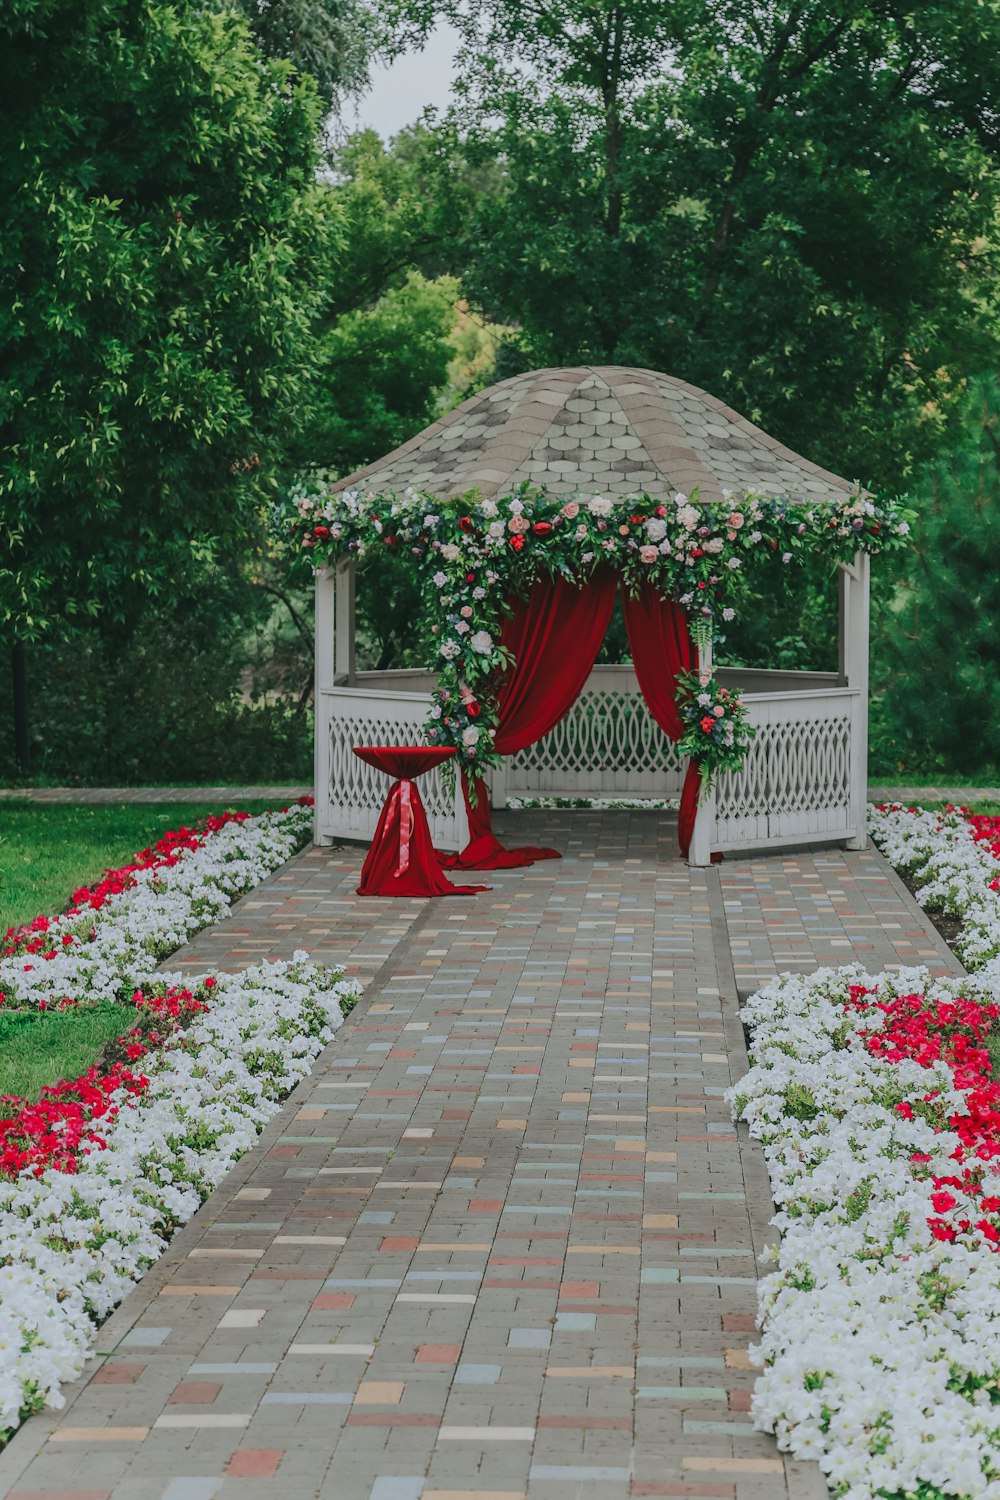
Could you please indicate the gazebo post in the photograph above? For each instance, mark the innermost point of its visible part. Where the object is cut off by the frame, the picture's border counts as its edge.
(343, 626)
(322, 681)
(334, 666)
(700, 851)
(855, 592)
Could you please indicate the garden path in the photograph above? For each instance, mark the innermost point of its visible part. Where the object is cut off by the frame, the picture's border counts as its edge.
(500, 1244)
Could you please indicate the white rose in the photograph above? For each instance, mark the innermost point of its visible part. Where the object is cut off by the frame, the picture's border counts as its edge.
(516, 507)
(439, 580)
(497, 529)
(688, 517)
(729, 614)
(733, 562)
(488, 508)
(482, 641)
(430, 521)
(462, 627)
(600, 505)
(714, 544)
(656, 529)
(450, 649)
(450, 552)
(470, 736)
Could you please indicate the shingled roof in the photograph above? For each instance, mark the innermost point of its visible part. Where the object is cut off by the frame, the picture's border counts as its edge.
(598, 428)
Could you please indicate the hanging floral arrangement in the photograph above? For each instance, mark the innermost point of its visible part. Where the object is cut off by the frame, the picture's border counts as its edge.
(717, 733)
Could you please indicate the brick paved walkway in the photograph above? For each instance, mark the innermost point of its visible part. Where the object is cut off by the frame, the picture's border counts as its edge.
(501, 1243)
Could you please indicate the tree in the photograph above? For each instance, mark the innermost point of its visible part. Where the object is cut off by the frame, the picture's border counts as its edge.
(380, 372)
(164, 239)
(328, 39)
(936, 656)
(792, 206)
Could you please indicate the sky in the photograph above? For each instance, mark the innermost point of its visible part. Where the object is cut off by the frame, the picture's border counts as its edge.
(401, 91)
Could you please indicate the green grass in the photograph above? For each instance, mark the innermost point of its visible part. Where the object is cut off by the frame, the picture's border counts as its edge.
(40, 1047)
(48, 850)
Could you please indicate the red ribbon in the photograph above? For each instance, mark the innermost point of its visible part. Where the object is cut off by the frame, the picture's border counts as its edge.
(404, 787)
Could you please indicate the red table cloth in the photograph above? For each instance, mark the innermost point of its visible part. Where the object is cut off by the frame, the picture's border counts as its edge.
(401, 860)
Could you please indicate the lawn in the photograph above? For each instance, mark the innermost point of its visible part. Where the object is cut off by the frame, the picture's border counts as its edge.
(48, 850)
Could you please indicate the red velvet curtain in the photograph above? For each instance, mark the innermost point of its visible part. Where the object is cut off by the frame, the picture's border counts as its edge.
(661, 646)
(554, 635)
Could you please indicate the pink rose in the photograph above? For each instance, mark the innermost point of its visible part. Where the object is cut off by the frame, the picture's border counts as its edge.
(648, 554)
(570, 510)
(518, 524)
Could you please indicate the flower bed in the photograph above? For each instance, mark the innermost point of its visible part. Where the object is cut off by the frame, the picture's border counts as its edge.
(109, 942)
(99, 1173)
(875, 1105)
(951, 858)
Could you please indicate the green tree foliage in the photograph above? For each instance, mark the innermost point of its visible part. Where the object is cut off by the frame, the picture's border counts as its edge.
(328, 39)
(380, 371)
(788, 205)
(936, 653)
(163, 244)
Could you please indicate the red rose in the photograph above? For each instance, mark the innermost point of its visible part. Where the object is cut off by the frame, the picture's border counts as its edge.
(465, 523)
(708, 724)
(517, 542)
(470, 577)
(542, 528)
(472, 709)
(392, 541)
(321, 531)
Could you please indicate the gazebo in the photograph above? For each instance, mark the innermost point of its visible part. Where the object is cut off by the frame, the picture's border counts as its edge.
(614, 432)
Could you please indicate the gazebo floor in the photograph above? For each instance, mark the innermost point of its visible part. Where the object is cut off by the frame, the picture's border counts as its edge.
(501, 1243)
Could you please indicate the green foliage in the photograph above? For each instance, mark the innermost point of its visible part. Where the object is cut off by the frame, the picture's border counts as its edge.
(380, 371)
(328, 39)
(163, 243)
(788, 206)
(936, 658)
(172, 703)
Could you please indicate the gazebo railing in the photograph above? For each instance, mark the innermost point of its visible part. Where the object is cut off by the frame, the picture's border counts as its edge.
(802, 781)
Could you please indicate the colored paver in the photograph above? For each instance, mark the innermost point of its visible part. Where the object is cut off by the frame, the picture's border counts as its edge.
(502, 1241)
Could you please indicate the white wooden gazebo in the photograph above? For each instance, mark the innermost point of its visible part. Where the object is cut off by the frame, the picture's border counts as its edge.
(612, 431)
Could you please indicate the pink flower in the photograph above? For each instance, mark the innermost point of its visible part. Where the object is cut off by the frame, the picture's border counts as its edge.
(570, 510)
(648, 554)
(518, 524)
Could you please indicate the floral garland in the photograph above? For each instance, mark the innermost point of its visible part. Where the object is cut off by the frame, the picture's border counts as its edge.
(717, 734)
(475, 554)
(879, 1117)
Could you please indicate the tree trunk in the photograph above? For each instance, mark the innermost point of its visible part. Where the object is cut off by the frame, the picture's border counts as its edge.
(22, 747)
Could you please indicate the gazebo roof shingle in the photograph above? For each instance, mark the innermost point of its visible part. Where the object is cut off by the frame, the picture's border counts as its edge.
(606, 429)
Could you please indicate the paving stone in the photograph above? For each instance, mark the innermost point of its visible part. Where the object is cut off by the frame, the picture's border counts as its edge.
(531, 1204)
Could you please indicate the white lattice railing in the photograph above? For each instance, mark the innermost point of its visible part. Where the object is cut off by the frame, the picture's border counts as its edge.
(802, 780)
(799, 780)
(350, 793)
(608, 745)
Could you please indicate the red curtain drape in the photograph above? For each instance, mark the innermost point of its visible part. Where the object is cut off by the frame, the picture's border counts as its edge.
(554, 636)
(661, 647)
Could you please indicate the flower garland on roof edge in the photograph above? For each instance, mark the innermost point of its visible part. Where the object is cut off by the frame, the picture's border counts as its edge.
(476, 553)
